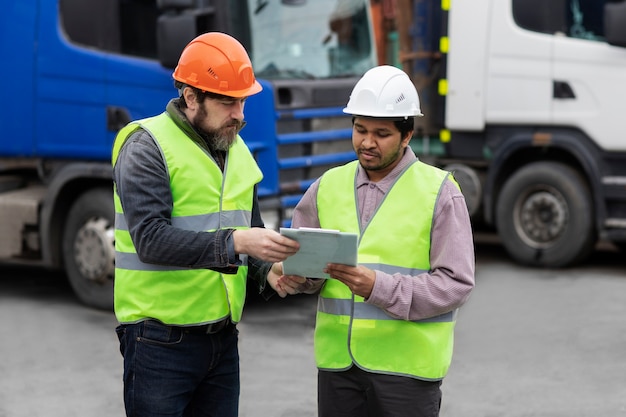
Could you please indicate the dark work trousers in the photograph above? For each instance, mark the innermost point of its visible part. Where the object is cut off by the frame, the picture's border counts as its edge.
(356, 393)
(174, 372)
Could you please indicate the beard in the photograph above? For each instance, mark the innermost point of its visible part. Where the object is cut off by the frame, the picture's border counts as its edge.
(384, 161)
(221, 138)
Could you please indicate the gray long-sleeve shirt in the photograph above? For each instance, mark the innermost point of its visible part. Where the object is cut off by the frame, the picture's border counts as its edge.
(143, 185)
(451, 278)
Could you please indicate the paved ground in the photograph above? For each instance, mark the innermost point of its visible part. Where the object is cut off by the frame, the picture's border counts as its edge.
(278, 371)
(545, 343)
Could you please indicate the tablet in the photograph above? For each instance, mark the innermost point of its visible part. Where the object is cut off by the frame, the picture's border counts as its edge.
(319, 247)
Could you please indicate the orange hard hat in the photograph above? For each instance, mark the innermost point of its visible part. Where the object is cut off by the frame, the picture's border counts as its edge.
(218, 63)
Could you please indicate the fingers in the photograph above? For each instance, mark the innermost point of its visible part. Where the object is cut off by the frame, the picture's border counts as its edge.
(280, 291)
(264, 244)
(290, 245)
(291, 284)
(284, 284)
(360, 280)
(273, 276)
(283, 247)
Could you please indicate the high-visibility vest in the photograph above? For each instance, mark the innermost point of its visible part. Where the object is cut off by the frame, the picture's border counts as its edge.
(396, 240)
(205, 199)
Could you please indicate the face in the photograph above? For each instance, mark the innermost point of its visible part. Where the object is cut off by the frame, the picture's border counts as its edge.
(378, 145)
(219, 119)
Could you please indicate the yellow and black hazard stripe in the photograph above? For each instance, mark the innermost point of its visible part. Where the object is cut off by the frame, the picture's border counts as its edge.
(442, 88)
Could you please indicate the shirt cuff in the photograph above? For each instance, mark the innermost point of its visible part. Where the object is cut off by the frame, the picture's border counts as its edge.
(380, 293)
(233, 258)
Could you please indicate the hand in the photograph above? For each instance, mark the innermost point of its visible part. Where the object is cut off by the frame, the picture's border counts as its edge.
(264, 244)
(359, 279)
(284, 284)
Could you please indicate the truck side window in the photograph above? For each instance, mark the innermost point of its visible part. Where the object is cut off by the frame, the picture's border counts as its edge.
(119, 26)
(540, 15)
(585, 19)
(582, 19)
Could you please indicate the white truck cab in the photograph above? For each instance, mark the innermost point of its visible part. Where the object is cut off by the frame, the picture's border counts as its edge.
(534, 121)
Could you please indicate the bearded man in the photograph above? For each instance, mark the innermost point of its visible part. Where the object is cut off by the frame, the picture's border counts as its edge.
(188, 235)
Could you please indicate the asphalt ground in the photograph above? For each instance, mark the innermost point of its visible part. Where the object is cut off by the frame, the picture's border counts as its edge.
(530, 342)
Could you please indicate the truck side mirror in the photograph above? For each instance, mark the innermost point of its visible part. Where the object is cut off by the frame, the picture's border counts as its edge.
(176, 28)
(615, 23)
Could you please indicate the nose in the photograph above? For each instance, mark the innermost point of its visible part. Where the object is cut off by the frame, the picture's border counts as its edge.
(367, 140)
(237, 109)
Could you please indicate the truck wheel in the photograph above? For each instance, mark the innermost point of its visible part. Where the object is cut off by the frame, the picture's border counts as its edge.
(89, 248)
(544, 216)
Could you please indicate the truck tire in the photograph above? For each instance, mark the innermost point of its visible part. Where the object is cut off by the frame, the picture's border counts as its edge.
(544, 216)
(89, 248)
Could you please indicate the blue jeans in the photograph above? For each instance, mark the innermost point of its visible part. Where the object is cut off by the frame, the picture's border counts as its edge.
(171, 372)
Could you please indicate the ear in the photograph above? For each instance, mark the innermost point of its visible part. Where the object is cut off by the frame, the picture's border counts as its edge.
(190, 98)
(407, 139)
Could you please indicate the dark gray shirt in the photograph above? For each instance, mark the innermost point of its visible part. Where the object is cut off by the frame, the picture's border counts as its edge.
(143, 186)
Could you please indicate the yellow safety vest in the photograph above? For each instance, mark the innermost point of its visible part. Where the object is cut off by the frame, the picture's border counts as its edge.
(205, 199)
(396, 240)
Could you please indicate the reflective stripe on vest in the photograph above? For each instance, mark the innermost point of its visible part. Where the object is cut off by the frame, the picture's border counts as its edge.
(396, 240)
(364, 311)
(205, 199)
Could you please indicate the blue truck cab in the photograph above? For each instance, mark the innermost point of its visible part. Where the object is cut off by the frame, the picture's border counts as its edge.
(76, 71)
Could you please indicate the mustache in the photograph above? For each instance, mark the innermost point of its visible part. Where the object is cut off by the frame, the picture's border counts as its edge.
(367, 151)
(238, 124)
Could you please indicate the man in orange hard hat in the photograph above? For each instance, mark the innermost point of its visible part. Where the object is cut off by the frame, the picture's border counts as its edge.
(188, 234)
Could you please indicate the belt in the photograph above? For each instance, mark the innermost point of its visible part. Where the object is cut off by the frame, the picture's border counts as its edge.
(207, 328)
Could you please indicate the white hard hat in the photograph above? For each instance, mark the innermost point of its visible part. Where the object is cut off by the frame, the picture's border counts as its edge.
(384, 91)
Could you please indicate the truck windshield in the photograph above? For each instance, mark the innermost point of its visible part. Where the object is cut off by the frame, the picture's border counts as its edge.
(310, 39)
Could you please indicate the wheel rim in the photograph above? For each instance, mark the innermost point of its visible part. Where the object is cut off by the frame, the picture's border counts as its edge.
(541, 217)
(94, 250)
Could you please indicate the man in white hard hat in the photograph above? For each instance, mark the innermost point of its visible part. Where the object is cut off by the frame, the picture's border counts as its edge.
(384, 329)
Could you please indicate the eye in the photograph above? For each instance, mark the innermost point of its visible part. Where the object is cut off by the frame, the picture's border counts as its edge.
(232, 102)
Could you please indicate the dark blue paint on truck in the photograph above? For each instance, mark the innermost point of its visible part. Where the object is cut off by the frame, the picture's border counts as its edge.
(76, 71)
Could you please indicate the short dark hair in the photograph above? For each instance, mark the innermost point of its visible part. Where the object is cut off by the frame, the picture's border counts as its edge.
(405, 125)
(200, 95)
